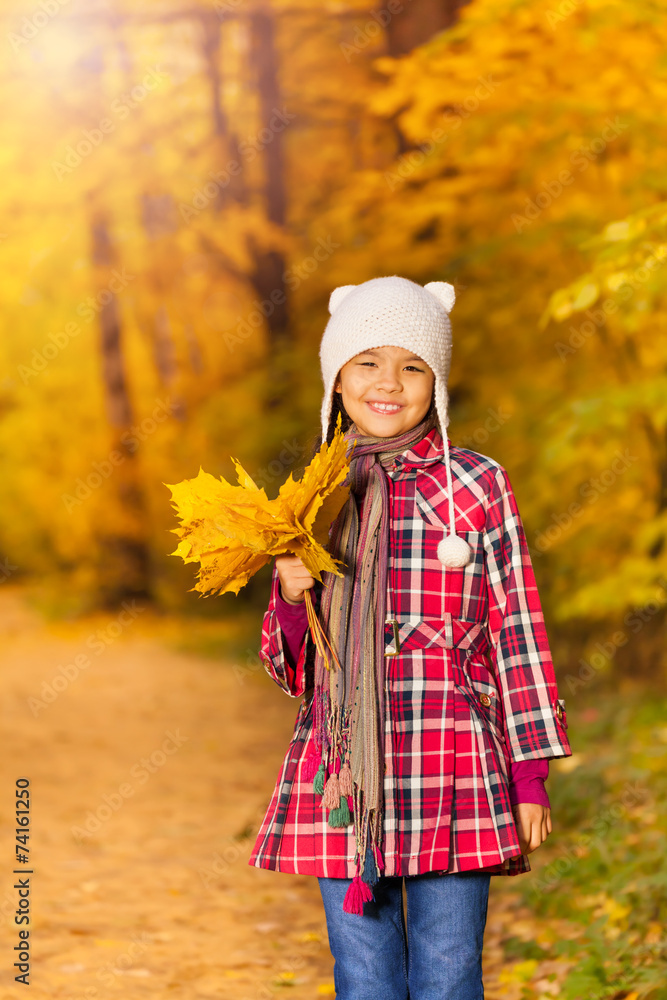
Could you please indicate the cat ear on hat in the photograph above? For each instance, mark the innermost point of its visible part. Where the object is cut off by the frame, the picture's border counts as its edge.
(443, 291)
(338, 295)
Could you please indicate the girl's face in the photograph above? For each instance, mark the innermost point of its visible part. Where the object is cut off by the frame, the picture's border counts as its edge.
(391, 376)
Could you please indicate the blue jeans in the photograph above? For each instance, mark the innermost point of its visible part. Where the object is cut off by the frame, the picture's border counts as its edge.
(446, 915)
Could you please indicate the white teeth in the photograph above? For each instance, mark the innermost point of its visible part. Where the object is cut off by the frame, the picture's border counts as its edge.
(385, 406)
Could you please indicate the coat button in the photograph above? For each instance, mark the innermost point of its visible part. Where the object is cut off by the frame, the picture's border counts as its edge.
(485, 700)
(559, 711)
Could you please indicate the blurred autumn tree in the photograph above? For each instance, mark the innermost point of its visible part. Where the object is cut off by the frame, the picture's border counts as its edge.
(187, 183)
(613, 338)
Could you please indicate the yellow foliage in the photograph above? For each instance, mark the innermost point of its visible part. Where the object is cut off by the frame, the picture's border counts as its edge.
(519, 972)
(615, 912)
(517, 154)
(232, 531)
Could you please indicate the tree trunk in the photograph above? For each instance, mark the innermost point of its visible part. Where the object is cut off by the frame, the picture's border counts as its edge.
(157, 214)
(119, 408)
(210, 23)
(268, 278)
(126, 569)
(417, 22)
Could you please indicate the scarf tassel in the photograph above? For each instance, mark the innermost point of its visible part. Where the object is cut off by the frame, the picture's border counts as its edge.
(310, 767)
(318, 781)
(371, 874)
(341, 815)
(331, 798)
(357, 894)
(345, 779)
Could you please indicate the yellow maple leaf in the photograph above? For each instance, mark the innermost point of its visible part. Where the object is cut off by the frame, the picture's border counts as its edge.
(232, 531)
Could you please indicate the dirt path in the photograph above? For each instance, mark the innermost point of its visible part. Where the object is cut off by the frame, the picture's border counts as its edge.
(150, 771)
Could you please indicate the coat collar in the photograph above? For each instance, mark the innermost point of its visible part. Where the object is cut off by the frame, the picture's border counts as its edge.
(430, 449)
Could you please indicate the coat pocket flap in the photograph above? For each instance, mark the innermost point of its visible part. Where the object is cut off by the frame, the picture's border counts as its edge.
(432, 502)
(448, 633)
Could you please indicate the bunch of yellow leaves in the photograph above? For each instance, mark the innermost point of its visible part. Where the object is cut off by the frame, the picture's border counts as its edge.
(232, 531)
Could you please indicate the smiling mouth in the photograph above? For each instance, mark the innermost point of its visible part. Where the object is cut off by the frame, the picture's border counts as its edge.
(384, 408)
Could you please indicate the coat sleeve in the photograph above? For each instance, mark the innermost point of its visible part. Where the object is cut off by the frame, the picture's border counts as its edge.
(294, 681)
(535, 719)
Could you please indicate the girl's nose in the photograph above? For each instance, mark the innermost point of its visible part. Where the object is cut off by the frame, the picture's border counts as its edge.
(388, 379)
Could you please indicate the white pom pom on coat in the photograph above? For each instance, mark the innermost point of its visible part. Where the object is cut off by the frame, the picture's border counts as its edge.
(454, 552)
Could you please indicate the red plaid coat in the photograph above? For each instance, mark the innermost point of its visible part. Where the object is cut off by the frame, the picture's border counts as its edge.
(472, 687)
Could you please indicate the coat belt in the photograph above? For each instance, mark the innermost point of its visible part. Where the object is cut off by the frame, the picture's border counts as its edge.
(403, 633)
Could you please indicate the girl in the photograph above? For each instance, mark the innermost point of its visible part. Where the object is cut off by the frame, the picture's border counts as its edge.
(420, 763)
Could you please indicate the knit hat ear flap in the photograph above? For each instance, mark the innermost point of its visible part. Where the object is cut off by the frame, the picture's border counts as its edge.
(453, 551)
(338, 295)
(444, 292)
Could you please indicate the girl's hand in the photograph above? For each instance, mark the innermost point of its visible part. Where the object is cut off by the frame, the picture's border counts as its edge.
(295, 579)
(533, 824)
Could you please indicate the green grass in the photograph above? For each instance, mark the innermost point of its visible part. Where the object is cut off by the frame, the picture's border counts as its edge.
(604, 869)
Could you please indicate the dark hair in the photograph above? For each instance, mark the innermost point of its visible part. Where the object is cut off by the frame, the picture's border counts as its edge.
(346, 421)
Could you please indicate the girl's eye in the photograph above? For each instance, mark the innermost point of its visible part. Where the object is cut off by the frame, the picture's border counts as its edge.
(407, 366)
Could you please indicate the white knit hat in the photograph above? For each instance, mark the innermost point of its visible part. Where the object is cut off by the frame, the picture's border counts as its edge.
(396, 312)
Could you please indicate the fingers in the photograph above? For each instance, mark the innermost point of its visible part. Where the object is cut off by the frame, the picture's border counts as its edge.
(302, 581)
(535, 835)
(295, 579)
(523, 829)
(289, 560)
(541, 828)
(533, 825)
(291, 567)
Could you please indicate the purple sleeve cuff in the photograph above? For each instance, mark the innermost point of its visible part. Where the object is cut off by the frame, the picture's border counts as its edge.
(293, 621)
(527, 779)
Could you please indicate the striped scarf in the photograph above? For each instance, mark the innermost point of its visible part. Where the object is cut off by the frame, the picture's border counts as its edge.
(349, 709)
